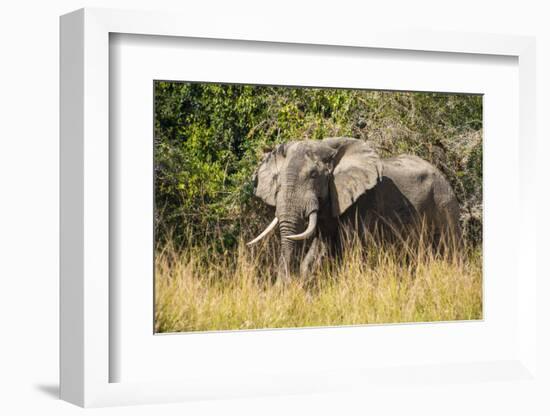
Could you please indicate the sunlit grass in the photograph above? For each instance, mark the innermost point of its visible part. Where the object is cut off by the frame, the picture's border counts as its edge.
(196, 291)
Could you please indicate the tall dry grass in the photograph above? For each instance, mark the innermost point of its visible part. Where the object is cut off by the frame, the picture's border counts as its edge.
(196, 290)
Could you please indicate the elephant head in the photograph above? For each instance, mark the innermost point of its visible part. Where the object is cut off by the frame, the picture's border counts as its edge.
(300, 178)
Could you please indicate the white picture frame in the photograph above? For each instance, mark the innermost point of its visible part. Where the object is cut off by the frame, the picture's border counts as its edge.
(85, 218)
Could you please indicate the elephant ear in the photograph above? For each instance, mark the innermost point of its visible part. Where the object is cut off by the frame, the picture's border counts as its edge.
(357, 168)
(267, 175)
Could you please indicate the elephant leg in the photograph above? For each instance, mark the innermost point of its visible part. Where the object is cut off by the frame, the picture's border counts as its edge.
(312, 259)
(283, 272)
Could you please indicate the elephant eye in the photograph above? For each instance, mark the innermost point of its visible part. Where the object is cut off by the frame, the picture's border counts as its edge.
(313, 173)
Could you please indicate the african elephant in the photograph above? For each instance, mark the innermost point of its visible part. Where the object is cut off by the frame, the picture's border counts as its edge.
(328, 182)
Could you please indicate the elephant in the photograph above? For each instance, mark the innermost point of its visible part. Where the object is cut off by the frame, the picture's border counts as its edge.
(337, 180)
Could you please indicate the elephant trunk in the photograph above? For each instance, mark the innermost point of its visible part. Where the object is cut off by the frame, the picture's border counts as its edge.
(286, 228)
(291, 214)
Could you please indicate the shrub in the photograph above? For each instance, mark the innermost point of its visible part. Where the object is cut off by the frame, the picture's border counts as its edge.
(209, 139)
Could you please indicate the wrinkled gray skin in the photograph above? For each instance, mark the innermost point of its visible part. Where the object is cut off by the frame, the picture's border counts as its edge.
(341, 179)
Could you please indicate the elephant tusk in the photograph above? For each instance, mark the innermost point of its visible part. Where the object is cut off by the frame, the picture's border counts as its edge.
(310, 228)
(265, 232)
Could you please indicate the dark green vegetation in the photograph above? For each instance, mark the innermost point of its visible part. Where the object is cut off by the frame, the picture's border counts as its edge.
(209, 139)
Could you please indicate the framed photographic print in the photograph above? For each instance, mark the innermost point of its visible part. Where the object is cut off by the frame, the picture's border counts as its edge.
(253, 214)
(370, 231)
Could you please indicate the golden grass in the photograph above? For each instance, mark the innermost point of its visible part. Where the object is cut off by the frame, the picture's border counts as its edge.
(373, 284)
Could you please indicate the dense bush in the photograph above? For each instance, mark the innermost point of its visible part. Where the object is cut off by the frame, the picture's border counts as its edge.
(210, 137)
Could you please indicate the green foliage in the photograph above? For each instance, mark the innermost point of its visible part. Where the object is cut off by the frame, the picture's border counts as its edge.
(209, 139)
